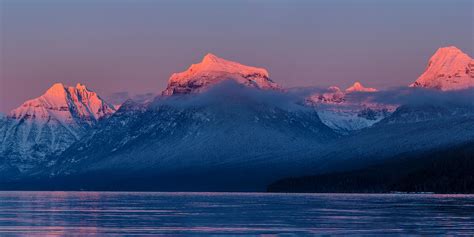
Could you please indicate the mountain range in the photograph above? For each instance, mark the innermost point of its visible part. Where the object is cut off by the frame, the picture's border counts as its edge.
(221, 125)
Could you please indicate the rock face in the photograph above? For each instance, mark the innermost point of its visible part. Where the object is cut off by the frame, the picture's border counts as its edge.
(49, 124)
(213, 70)
(448, 69)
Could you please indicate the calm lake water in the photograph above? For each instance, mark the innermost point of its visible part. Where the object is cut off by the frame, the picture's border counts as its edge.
(122, 213)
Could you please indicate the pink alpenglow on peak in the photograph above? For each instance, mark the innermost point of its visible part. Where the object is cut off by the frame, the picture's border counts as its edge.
(213, 70)
(64, 104)
(81, 86)
(448, 69)
(346, 111)
(358, 87)
(50, 123)
(334, 95)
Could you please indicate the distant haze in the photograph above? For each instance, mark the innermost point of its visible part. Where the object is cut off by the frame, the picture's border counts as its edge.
(134, 46)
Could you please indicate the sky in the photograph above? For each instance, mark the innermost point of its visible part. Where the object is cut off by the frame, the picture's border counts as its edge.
(134, 46)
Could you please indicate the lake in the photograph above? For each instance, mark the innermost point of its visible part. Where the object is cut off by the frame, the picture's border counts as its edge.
(137, 213)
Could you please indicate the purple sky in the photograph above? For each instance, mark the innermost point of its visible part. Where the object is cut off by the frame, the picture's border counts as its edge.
(134, 46)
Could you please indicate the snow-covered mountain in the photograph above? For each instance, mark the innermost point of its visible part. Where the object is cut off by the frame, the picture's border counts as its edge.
(333, 95)
(349, 110)
(49, 124)
(448, 69)
(230, 128)
(424, 120)
(229, 119)
(213, 70)
(409, 130)
(358, 87)
(68, 105)
(230, 136)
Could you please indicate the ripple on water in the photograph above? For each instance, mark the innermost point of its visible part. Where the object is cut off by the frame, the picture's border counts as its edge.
(122, 213)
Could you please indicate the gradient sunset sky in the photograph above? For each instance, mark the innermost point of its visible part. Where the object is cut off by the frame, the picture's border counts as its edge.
(134, 46)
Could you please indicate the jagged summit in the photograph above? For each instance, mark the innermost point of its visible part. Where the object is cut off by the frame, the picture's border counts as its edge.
(334, 94)
(448, 69)
(213, 70)
(64, 104)
(348, 110)
(358, 87)
(57, 89)
(48, 124)
(81, 86)
(210, 58)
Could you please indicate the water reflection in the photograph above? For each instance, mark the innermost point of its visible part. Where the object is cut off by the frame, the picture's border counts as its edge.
(81, 213)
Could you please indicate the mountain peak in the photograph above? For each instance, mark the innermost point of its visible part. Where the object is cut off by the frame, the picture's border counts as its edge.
(448, 50)
(334, 89)
(57, 89)
(210, 58)
(358, 87)
(64, 104)
(333, 95)
(448, 69)
(212, 62)
(81, 86)
(57, 85)
(213, 70)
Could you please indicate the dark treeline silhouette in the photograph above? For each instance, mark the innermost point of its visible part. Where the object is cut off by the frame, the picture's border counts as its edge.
(447, 170)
